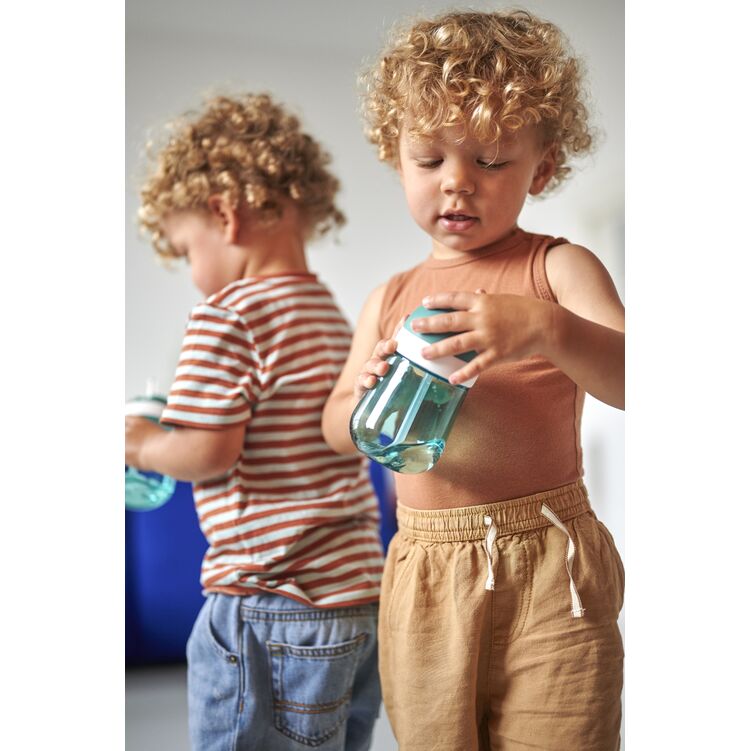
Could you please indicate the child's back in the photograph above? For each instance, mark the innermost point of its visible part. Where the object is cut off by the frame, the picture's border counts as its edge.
(283, 652)
(271, 349)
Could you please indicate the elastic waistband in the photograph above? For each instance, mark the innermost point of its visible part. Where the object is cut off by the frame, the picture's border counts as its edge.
(515, 515)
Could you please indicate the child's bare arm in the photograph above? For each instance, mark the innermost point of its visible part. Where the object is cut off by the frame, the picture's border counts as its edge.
(355, 377)
(191, 454)
(582, 334)
(588, 331)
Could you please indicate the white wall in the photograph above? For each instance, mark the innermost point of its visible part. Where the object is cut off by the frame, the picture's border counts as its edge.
(307, 54)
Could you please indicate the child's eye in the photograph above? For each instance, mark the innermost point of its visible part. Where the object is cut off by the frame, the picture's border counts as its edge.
(491, 165)
(428, 163)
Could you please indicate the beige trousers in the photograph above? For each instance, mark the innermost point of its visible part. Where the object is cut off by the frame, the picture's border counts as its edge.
(498, 629)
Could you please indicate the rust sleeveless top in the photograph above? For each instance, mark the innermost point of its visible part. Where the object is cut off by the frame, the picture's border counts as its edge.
(518, 430)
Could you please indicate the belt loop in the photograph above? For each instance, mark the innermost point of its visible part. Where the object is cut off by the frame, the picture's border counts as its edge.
(489, 540)
(577, 611)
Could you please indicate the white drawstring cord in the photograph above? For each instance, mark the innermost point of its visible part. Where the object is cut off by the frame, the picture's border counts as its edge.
(489, 540)
(577, 611)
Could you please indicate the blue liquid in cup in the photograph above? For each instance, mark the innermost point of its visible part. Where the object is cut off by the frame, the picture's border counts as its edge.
(146, 491)
(403, 422)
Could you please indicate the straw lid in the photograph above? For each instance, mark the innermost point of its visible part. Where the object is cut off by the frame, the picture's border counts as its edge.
(410, 343)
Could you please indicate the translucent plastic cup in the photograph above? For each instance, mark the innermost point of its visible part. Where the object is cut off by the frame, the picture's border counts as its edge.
(404, 421)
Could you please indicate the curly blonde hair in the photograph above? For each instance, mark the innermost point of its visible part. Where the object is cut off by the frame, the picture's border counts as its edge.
(248, 149)
(489, 73)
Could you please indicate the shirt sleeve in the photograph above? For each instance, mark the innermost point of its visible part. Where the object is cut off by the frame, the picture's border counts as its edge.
(216, 383)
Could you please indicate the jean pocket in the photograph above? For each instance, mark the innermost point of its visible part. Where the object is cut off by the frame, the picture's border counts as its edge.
(215, 675)
(313, 688)
(211, 623)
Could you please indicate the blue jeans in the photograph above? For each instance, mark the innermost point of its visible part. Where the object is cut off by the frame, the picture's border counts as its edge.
(268, 673)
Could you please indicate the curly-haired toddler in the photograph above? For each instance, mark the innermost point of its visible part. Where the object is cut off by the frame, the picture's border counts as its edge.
(283, 653)
(501, 591)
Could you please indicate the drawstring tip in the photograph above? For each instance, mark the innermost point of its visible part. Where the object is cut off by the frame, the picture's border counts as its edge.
(489, 542)
(577, 611)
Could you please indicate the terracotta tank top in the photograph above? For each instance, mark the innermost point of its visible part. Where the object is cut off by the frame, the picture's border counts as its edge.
(518, 430)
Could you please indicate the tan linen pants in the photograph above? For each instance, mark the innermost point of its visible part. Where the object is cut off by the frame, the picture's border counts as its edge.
(482, 639)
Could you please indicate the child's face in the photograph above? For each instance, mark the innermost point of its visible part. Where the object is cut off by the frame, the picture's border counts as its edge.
(214, 261)
(467, 195)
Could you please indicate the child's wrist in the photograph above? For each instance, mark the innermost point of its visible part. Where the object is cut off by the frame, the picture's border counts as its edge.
(146, 454)
(144, 462)
(551, 331)
(545, 330)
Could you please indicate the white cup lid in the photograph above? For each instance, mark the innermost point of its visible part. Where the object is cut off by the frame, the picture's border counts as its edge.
(145, 407)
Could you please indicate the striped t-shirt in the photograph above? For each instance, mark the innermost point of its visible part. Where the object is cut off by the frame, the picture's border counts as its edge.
(291, 517)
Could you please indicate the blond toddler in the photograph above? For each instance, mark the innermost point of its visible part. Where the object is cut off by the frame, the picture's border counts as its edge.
(283, 654)
(501, 591)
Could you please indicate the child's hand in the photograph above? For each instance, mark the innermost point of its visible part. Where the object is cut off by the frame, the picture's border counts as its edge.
(500, 328)
(376, 366)
(137, 432)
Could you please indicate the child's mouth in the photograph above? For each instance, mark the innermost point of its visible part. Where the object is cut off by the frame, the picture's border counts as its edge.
(455, 222)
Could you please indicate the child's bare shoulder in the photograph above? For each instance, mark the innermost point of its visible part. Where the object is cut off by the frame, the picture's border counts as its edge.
(581, 282)
(568, 263)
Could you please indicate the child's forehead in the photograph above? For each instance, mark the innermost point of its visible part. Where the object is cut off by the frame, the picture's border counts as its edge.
(461, 136)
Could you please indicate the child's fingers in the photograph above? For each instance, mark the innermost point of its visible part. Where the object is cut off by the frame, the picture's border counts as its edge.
(385, 348)
(453, 345)
(135, 424)
(368, 377)
(365, 382)
(455, 300)
(376, 366)
(455, 321)
(373, 369)
(472, 369)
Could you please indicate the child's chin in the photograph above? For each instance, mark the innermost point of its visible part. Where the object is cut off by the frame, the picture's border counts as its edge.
(454, 244)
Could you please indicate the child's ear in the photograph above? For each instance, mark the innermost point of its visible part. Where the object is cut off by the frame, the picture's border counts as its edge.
(222, 210)
(545, 170)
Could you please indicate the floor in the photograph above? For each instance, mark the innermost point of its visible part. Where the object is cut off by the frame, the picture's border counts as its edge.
(156, 713)
(156, 717)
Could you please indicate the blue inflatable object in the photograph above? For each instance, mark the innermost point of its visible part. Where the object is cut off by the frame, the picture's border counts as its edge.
(383, 483)
(163, 554)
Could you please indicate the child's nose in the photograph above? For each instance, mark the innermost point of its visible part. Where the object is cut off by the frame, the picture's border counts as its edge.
(456, 179)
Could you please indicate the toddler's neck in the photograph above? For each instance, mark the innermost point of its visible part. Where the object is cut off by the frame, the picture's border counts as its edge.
(279, 254)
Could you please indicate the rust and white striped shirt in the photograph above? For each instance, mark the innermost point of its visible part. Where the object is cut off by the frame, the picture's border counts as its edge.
(291, 517)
